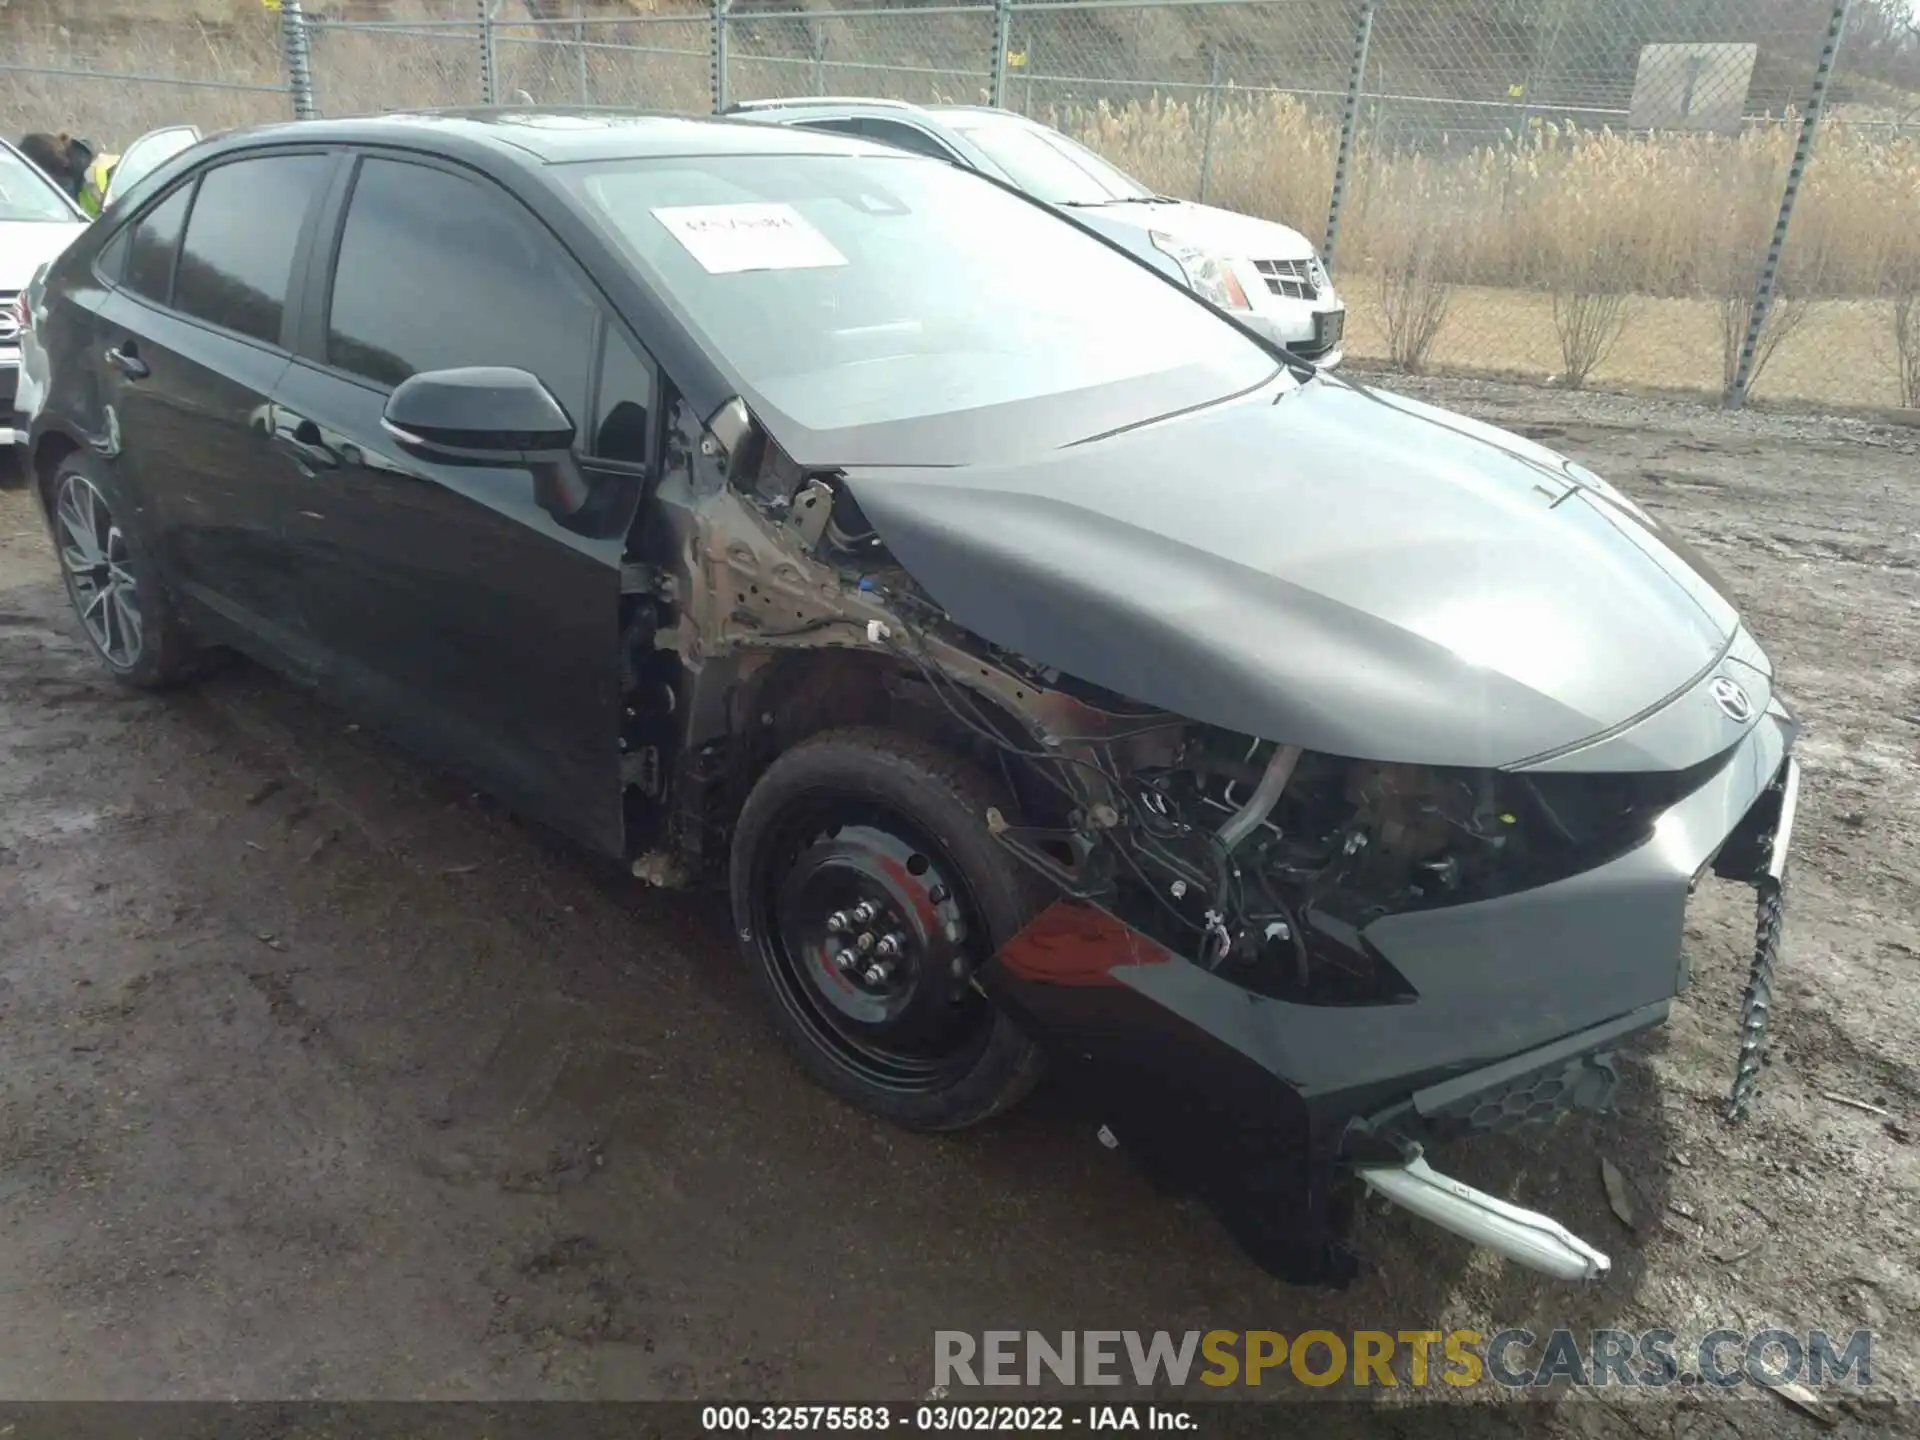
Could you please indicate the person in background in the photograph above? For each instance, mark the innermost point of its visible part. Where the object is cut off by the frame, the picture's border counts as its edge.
(74, 165)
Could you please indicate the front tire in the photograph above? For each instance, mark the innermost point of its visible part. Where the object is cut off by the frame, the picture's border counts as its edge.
(112, 581)
(866, 893)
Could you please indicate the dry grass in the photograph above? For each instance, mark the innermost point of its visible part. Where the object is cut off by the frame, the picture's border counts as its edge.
(1677, 223)
(1842, 355)
(1669, 212)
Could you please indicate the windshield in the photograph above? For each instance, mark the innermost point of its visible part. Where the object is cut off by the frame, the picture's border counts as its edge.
(853, 291)
(1047, 165)
(26, 194)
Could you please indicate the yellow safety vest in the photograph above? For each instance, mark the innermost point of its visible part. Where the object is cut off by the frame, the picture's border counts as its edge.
(93, 194)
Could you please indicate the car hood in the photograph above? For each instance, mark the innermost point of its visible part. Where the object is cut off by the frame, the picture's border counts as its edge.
(26, 245)
(1223, 231)
(1345, 570)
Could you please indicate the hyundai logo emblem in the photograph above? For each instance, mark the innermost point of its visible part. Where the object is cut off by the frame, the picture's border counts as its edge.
(1732, 700)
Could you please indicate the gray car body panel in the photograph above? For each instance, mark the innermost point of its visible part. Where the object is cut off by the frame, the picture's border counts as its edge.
(1332, 571)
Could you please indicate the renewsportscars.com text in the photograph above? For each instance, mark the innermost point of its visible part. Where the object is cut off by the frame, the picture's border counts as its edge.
(1511, 1359)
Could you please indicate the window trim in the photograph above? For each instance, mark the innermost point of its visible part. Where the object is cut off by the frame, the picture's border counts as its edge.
(291, 309)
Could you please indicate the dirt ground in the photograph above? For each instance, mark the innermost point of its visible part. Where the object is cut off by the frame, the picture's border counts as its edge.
(319, 1077)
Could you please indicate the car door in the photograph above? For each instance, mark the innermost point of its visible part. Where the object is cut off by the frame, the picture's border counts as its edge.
(443, 597)
(148, 154)
(194, 341)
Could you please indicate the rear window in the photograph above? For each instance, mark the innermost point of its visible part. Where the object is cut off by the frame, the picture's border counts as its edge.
(851, 291)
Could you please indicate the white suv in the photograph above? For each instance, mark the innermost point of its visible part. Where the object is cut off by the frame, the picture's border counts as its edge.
(1268, 275)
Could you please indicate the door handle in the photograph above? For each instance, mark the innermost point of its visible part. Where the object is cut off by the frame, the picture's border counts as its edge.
(126, 359)
(303, 442)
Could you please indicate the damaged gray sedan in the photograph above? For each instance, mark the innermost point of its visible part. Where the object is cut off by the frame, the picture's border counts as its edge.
(1053, 670)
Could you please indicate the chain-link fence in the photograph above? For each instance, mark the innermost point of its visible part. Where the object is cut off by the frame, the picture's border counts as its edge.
(1588, 191)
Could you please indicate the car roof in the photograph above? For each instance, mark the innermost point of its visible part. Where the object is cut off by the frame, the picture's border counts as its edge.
(875, 105)
(553, 135)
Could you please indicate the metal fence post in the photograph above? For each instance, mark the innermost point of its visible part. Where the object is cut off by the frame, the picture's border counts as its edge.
(1349, 129)
(580, 52)
(1213, 114)
(1796, 172)
(489, 61)
(717, 56)
(819, 48)
(296, 44)
(1002, 39)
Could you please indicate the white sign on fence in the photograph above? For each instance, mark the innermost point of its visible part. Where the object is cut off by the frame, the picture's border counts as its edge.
(1692, 87)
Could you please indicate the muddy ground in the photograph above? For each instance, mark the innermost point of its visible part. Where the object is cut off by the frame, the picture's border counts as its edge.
(321, 1077)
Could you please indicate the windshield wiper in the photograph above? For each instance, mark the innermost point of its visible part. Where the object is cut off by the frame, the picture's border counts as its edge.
(1120, 200)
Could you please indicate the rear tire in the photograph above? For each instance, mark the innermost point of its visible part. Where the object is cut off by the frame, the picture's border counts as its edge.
(107, 565)
(870, 818)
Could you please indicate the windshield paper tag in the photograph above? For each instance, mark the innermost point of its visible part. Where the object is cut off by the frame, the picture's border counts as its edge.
(730, 238)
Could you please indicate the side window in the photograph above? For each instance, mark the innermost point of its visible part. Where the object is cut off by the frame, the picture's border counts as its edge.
(156, 238)
(906, 137)
(111, 263)
(245, 227)
(626, 389)
(437, 271)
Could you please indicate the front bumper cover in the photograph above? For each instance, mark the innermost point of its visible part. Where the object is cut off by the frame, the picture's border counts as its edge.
(1267, 1106)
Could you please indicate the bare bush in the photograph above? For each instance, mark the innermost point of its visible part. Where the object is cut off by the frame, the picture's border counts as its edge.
(1902, 288)
(1786, 315)
(1737, 264)
(1906, 346)
(1589, 324)
(1414, 300)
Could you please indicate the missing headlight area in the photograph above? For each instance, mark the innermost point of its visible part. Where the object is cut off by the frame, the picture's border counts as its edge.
(1266, 864)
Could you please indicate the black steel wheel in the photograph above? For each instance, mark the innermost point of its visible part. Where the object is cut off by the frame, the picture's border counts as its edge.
(115, 590)
(866, 893)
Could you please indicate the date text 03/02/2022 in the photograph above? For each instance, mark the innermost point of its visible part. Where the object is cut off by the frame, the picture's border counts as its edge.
(988, 1419)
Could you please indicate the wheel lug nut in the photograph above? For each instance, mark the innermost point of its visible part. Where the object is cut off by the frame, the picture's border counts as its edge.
(864, 911)
(875, 975)
(846, 959)
(836, 922)
(890, 945)
(865, 942)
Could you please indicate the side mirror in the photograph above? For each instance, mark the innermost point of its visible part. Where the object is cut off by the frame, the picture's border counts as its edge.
(479, 415)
